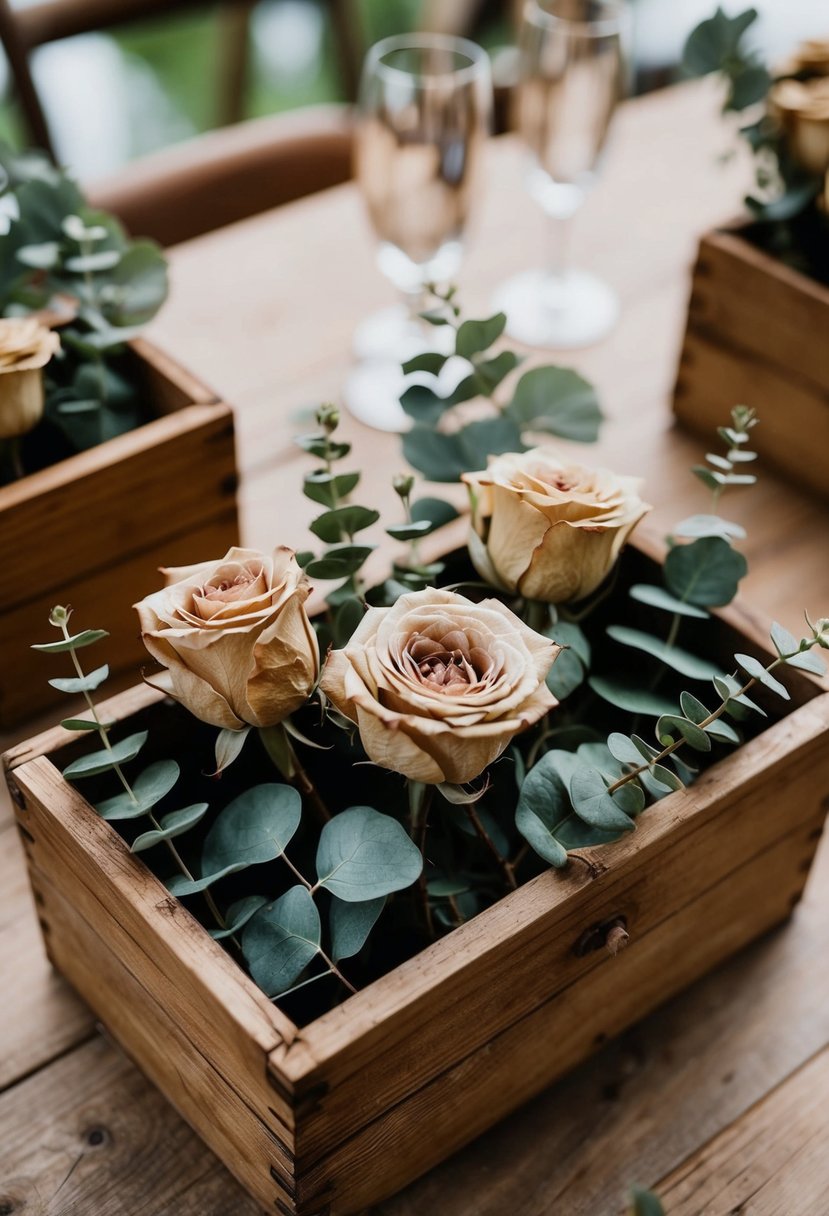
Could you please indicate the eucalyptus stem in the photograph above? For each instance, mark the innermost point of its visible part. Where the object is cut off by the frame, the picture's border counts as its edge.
(103, 735)
(503, 864)
(677, 743)
(281, 751)
(334, 969)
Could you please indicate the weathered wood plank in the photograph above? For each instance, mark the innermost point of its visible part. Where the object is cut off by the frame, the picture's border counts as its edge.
(646, 1102)
(88, 1136)
(44, 1018)
(508, 1068)
(770, 1162)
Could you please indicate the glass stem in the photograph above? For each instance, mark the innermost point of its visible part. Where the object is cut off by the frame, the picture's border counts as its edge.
(558, 246)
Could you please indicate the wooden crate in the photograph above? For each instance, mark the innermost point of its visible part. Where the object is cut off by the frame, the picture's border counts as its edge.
(758, 334)
(92, 530)
(326, 1119)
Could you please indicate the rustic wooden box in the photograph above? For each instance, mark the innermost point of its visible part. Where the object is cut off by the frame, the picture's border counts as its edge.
(758, 334)
(331, 1117)
(92, 530)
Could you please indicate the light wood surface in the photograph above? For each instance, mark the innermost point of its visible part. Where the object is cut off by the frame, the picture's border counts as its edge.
(264, 311)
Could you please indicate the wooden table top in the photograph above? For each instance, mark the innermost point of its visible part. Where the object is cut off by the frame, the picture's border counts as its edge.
(720, 1100)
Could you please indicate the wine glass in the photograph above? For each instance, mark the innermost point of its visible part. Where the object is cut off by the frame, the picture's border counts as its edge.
(425, 109)
(572, 76)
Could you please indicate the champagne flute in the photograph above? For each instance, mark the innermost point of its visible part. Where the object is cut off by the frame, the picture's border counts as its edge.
(572, 76)
(425, 109)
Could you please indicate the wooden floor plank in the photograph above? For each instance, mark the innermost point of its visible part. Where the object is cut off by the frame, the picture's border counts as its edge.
(42, 1017)
(771, 1162)
(88, 1136)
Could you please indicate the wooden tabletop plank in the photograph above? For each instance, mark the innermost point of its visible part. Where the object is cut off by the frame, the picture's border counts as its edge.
(770, 1162)
(88, 1136)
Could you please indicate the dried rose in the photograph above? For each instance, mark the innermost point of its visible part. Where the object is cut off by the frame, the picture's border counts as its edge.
(548, 530)
(234, 638)
(438, 686)
(25, 348)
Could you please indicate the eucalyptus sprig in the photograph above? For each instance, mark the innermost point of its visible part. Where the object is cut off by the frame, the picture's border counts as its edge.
(545, 400)
(422, 517)
(137, 798)
(60, 255)
(338, 525)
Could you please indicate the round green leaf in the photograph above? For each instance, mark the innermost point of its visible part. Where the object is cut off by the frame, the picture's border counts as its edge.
(672, 726)
(76, 642)
(705, 572)
(475, 336)
(176, 823)
(543, 805)
(756, 669)
(683, 661)
(629, 696)
(363, 855)
(253, 828)
(149, 787)
(558, 401)
(350, 925)
(106, 758)
(658, 597)
(281, 939)
(86, 683)
(592, 802)
(238, 915)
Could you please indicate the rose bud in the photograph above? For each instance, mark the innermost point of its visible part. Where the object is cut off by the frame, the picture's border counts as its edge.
(25, 348)
(548, 530)
(439, 686)
(234, 637)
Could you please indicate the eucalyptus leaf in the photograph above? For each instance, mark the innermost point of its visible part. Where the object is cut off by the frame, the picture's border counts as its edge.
(363, 855)
(807, 662)
(594, 804)
(434, 511)
(255, 827)
(77, 642)
(281, 939)
(423, 403)
(629, 696)
(175, 823)
(350, 925)
(556, 400)
(342, 522)
(85, 724)
(671, 727)
(149, 787)
(658, 597)
(785, 643)
(709, 525)
(756, 669)
(727, 687)
(339, 561)
(489, 373)
(88, 683)
(543, 805)
(475, 336)
(329, 488)
(238, 915)
(683, 661)
(105, 759)
(704, 572)
(429, 361)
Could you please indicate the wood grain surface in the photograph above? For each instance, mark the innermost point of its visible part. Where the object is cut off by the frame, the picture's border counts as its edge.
(265, 311)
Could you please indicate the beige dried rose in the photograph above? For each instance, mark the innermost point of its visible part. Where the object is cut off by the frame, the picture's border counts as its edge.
(801, 108)
(234, 637)
(810, 58)
(546, 529)
(438, 685)
(25, 349)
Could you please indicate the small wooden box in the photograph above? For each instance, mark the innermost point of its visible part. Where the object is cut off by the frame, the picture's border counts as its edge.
(329, 1118)
(758, 335)
(92, 530)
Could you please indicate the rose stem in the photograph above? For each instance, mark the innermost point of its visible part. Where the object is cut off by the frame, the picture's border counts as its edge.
(420, 802)
(503, 864)
(279, 748)
(102, 731)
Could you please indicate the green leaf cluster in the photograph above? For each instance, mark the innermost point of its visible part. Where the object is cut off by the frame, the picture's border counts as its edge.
(56, 248)
(545, 401)
(786, 194)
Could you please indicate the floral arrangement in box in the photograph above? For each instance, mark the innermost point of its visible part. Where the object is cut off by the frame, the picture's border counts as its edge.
(330, 794)
(67, 268)
(784, 118)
